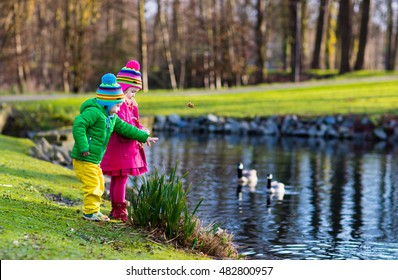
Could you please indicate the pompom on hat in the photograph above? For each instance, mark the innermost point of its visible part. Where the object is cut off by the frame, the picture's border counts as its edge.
(109, 92)
(130, 76)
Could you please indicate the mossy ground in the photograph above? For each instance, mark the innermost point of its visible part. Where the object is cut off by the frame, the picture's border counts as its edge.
(41, 218)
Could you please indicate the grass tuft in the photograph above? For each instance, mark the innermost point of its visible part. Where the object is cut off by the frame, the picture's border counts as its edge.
(161, 202)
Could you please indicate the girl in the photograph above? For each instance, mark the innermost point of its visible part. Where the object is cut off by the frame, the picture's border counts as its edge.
(125, 157)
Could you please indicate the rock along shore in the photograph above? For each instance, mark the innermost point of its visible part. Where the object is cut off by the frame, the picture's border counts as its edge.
(336, 127)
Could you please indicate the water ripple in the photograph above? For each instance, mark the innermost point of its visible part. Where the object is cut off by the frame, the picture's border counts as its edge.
(340, 201)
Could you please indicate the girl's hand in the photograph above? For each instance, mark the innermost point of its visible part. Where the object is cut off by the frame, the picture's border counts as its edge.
(151, 140)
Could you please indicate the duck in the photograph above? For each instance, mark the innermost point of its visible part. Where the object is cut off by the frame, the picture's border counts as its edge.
(247, 177)
(274, 187)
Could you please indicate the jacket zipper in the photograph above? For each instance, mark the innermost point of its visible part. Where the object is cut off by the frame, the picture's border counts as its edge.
(107, 132)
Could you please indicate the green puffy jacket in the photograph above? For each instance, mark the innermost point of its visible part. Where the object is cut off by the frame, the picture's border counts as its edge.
(92, 130)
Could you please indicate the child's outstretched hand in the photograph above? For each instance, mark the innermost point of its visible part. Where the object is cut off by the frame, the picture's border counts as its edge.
(151, 140)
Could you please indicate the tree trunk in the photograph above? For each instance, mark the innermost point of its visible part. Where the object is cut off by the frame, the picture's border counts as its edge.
(320, 31)
(78, 62)
(18, 47)
(345, 27)
(389, 39)
(395, 49)
(363, 35)
(166, 45)
(286, 22)
(209, 55)
(42, 47)
(217, 51)
(330, 43)
(242, 45)
(231, 67)
(193, 46)
(67, 48)
(260, 30)
(180, 41)
(303, 33)
(295, 24)
(143, 44)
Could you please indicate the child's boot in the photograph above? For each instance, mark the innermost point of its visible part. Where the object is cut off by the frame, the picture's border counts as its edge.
(119, 211)
(112, 213)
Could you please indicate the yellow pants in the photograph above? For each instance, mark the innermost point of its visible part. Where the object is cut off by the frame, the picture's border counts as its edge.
(90, 174)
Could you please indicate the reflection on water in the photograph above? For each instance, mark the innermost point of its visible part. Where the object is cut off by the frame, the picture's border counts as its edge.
(341, 199)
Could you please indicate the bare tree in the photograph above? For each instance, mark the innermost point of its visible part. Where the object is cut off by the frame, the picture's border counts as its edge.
(217, 51)
(286, 35)
(83, 15)
(142, 41)
(229, 49)
(18, 45)
(209, 75)
(242, 44)
(180, 46)
(345, 32)
(166, 44)
(394, 53)
(320, 33)
(331, 40)
(303, 35)
(261, 26)
(67, 47)
(389, 37)
(363, 35)
(295, 29)
(42, 48)
(192, 24)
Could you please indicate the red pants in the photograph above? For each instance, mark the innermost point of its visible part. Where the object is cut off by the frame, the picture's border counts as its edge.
(117, 188)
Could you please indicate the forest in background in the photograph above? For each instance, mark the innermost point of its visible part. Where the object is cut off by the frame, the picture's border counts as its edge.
(67, 45)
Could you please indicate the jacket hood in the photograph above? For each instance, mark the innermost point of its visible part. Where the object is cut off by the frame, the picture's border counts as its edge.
(92, 103)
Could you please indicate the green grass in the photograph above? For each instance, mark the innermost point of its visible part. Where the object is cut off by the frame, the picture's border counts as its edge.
(364, 97)
(362, 93)
(35, 225)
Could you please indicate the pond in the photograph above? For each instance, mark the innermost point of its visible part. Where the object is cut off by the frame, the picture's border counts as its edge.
(341, 199)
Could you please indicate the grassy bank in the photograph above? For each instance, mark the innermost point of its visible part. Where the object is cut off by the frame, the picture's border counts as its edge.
(40, 215)
(371, 98)
(359, 94)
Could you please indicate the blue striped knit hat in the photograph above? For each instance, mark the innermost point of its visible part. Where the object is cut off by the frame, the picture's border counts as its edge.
(109, 92)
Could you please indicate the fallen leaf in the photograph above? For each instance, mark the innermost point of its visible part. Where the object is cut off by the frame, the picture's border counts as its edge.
(191, 105)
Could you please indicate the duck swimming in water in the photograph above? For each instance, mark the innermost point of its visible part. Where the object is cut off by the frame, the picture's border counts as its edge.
(247, 177)
(274, 186)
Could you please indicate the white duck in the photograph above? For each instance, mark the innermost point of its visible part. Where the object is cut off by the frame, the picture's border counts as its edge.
(274, 187)
(247, 177)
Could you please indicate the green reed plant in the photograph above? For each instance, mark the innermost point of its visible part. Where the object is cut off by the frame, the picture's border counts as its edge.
(159, 201)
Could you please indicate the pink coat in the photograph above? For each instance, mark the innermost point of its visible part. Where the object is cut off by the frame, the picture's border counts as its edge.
(125, 156)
